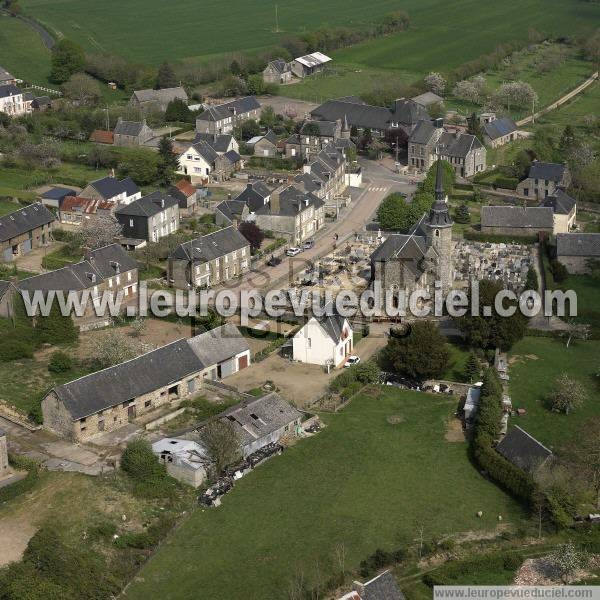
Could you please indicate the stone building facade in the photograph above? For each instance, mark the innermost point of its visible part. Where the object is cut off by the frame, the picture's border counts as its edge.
(24, 230)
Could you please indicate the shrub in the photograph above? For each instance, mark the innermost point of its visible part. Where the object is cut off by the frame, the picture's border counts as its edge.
(21, 463)
(60, 362)
(15, 350)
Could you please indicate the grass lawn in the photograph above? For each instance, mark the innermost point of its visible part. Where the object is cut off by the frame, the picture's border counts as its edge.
(7, 206)
(59, 258)
(23, 53)
(456, 366)
(362, 481)
(587, 289)
(535, 363)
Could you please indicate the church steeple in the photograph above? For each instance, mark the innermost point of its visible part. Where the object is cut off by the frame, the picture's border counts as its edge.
(439, 215)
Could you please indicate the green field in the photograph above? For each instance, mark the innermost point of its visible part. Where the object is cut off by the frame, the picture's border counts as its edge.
(359, 482)
(535, 363)
(23, 53)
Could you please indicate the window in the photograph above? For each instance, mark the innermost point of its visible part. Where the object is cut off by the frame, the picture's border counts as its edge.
(109, 282)
(148, 403)
(129, 276)
(309, 342)
(130, 222)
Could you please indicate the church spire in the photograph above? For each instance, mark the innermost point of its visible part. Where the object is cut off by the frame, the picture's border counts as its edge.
(439, 182)
(439, 215)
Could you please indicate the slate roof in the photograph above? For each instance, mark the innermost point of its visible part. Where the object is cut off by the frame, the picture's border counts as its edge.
(578, 244)
(23, 220)
(382, 587)
(561, 203)
(9, 90)
(333, 325)
(397, 245)
(58, 193)
(163, 96)
(148, 206)
(4, 287)
(291, 202)
(219, 344)
(5, 75)
(111, 260)
(231, 208)
(218, 142)
(324, 128)
(254, 195)
(205, 150)
(422, 133)
(408, 112)
(550, 171)
(279, 65)
(499, 128)
(217, 112)
(40, 101)
(109, 187)
(232, 156)
(130, 128)
(126, 381)
(100, 136)
(211, 246)
(523, 450)
(458, 145)
(531, 217)
(427, 99)
(358, 115)
(261, 417)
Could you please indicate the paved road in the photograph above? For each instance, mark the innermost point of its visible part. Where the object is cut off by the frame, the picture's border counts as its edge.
(378, 182)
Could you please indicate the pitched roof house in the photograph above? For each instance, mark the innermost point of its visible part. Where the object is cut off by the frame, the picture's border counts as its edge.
(309, 64)
(498, 132)
(264, 145)
(149, 218)
(158, 98)
(14, 102)
(262, 421)
(132, 133)
(277, 71)
(523, 450)
(327, 340)
(209, 260)
(576, 250)
(220, 143)
(517, 220)
(111, 398)
(101, 136)
(544, 179)
(111, 189)
(564, 208)
(23, 230)
(222, 118)
(381, 587)
(186, 194)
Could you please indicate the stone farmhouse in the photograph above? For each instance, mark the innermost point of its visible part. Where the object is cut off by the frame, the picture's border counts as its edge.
(577, 250)
(324, 175)
(111, 398)
(132, 133)
(544, 179)
(262, 421)
(277, 71)
(13, 102)
(236, 211)
(24, 230)
(315, 136)
(309, 64)
(429, 140)
(517, 220)
(186, 195)
(222, 118)
(424, 256)
(498, 132)
(75, 210)
(157, 99)
(396, 123)
(108, 269)
(324, 341)
(150, 218)
(209, 260)
(264, 145)
(112, 190)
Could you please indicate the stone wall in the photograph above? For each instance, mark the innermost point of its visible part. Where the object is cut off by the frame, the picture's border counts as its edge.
(576, 265)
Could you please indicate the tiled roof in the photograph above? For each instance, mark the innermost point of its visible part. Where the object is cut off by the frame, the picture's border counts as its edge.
(87, 206)
(23, 220)
(254, 195)
(111, 260)
(578, 244)
(523, 450)
(100, 136)
(185, 187)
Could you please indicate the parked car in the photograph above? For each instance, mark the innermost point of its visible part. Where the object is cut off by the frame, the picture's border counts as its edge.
(351, 361)
(293, 251)
(274, 261)
(308, 244)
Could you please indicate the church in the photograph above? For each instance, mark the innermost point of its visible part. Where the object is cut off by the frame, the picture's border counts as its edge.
(423, 256)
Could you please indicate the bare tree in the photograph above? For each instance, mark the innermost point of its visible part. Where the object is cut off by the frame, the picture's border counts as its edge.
(221, 442)
(98, 232)
(566, 395)
(435, 82)
(575, 331)
(82, 89)
(113, 347)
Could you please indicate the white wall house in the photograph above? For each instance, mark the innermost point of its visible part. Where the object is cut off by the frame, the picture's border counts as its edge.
(197, 161)
(13, 102)
(328, 340)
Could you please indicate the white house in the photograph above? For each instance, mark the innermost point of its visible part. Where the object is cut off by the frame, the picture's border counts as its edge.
(13, 102)
(184, 460)
(324, 341)
(198, 161)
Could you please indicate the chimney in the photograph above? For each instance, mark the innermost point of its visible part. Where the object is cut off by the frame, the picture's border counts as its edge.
(275, 206)
(438, 123)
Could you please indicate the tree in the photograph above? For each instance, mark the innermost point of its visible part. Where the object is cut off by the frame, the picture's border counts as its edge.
(112, 348)
(421, 354)
(56, 328)
(235, 68)
(495, 331)
(98, 232)
(142, 165)
(462, 214)
(166, 77)
(470, 90)
(140, 463)
(68, 58)
(567, 560)
(221, 442)
(394, 213)
(566, 395)
(567, 139)
(168, 163)
(516, 93)
(138, 325)
(83, 89)
(178, 111)
(253, 233)
(474, 127)
(472, 368)
(435, 82)
(268, 118)
(60, 362)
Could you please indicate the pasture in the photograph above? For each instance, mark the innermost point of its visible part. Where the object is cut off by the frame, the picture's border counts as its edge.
(360, 483)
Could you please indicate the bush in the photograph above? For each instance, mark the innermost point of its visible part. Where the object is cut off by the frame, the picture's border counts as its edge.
(380, 558)
(15, 349)
(20, 463)
(60, 362)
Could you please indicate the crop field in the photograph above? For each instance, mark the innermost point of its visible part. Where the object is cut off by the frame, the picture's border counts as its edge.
(23, 53)
(358, 483)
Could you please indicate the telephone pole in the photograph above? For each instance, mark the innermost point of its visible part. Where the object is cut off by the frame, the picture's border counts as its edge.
(276, 18)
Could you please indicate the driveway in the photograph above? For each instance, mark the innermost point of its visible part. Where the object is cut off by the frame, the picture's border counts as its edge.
(32, 261)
